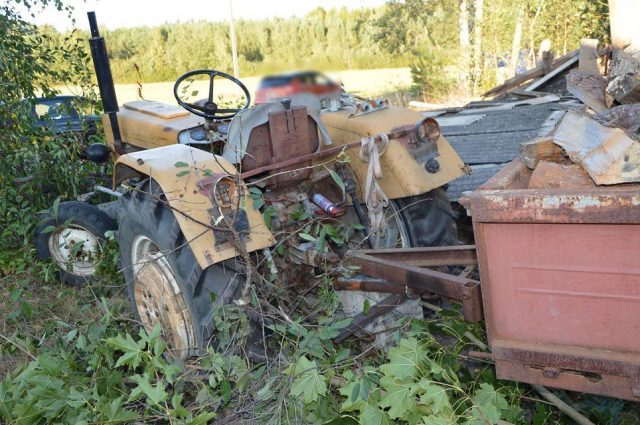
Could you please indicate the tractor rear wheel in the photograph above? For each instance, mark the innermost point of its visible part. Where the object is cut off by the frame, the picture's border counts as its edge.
(417, 221)
(166, 285)
(428, 219)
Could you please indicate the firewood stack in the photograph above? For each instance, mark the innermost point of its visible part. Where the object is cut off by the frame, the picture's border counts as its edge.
(598, 144)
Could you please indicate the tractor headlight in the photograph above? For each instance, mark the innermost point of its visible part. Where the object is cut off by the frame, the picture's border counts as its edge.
(427, 130)
(222, 189)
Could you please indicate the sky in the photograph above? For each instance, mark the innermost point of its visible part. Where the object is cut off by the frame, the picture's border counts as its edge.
(130, 13)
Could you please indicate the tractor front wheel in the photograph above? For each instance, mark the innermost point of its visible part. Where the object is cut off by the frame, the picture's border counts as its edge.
(73, 236)
(166, 285)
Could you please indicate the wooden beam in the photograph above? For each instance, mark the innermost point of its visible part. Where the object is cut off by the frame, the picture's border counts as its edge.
(558, 70)
(589, 56)
(588, 88)
(520, 79)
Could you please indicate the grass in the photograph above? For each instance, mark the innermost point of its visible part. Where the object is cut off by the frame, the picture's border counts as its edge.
(34, 312)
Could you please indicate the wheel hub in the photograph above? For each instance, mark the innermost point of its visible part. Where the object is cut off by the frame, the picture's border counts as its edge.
(158, 297)
(75, 250)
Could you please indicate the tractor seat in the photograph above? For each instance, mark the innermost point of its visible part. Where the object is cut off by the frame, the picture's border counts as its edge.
(272, 133)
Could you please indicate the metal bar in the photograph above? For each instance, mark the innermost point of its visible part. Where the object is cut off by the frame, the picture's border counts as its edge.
(367, 284)
(362, 319)
(298, 160)
(424, 280)
(105, 80)
(458, 255)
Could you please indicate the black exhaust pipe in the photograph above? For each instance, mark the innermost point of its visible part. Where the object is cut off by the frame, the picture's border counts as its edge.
(105, 81)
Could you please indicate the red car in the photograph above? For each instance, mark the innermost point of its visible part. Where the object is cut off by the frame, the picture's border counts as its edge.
(283, 85)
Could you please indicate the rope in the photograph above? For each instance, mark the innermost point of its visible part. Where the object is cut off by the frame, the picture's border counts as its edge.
(374, 196)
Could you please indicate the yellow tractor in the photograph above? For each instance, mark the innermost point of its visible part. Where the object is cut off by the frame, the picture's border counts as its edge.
(207, 194)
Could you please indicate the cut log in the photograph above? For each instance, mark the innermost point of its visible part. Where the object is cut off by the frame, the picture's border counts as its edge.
(589, 89)
(609, 155)
(540, 149)
(589, 56)
(625, 88)
(624, 78)
(551, 175)
(623, 63)
(623, 116)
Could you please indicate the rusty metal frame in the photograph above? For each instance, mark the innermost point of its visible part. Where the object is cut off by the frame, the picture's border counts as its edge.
(578, 369)
(401, 270)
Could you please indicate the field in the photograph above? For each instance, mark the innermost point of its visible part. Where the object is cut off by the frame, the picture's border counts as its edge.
(371, 82)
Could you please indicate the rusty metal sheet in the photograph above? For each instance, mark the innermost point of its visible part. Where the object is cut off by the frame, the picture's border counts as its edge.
(506, 199)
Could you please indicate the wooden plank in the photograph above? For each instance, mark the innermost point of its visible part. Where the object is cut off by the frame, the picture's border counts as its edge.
(588, 55)
(558, 70)
(540, 149)
(608, 154)
(588, 88)
(520, 79)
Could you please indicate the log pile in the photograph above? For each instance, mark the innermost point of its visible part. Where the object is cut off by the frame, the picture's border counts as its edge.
(599, 144)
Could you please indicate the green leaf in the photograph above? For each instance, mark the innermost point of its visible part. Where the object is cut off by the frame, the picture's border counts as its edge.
(56, 207)
(180, 164)
(336, 178)
(371, 415)
(405, 359)
(202, 419)
(435, 420)
(487, 394)
(132, 352)
(309, 383)
(225, 390)
(366, 306)
(306, 237)
(352, 401)
(355, 392)
(156, 394)
(182, 173)
(434, 396)
(398, 397)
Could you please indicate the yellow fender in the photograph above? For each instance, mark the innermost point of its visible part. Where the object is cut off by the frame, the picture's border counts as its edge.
(403, 175)
(190, 207)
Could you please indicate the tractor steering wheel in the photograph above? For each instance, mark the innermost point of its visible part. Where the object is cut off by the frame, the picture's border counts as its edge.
(207, 108)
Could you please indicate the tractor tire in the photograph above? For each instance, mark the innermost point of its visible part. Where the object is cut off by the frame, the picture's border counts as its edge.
(165, 283)
(416, 221)
(77, 263)
(429, 219)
